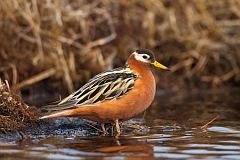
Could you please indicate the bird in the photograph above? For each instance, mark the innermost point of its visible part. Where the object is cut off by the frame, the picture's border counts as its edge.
(113, 96)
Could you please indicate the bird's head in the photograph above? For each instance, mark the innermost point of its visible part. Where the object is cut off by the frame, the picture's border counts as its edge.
(146, 56)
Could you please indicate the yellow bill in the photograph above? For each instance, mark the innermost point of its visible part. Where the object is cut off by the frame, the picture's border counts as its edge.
(159, 65)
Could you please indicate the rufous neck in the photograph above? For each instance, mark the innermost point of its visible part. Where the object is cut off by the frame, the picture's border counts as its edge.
(137, 65)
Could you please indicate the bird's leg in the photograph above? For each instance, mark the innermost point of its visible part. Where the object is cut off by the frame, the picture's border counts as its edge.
(112, 130)
(103, 128)
(117, 126)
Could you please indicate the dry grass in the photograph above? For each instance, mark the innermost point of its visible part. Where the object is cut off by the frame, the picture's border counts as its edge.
(14, 114)
(69, 41)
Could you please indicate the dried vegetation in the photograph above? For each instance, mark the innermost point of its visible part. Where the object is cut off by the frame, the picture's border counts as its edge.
(69, 41)
(14, 114)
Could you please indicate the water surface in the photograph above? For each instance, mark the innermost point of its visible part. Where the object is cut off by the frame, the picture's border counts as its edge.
(173, 128)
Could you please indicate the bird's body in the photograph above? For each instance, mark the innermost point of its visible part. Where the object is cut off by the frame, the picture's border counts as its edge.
(115, 95)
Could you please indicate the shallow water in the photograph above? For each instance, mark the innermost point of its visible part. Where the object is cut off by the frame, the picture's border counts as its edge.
(175, 127)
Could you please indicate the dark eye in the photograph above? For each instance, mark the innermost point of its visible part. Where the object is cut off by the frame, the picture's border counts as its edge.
(145, 56)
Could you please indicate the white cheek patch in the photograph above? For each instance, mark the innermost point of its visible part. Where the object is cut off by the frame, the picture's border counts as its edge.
(140, 58)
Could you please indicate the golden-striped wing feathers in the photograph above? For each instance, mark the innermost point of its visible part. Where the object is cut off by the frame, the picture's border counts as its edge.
(105, 86)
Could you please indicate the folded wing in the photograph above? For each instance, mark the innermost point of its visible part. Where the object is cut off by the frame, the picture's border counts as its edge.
(105, 86)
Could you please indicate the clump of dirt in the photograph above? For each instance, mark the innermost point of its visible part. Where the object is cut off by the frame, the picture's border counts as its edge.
(14, 113)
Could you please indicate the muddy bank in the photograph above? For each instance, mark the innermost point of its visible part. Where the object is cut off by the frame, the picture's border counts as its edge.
(47, 128)
(68, 127)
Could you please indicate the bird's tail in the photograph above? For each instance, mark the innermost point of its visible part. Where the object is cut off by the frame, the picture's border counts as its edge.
(57, 114)
(56, 110)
